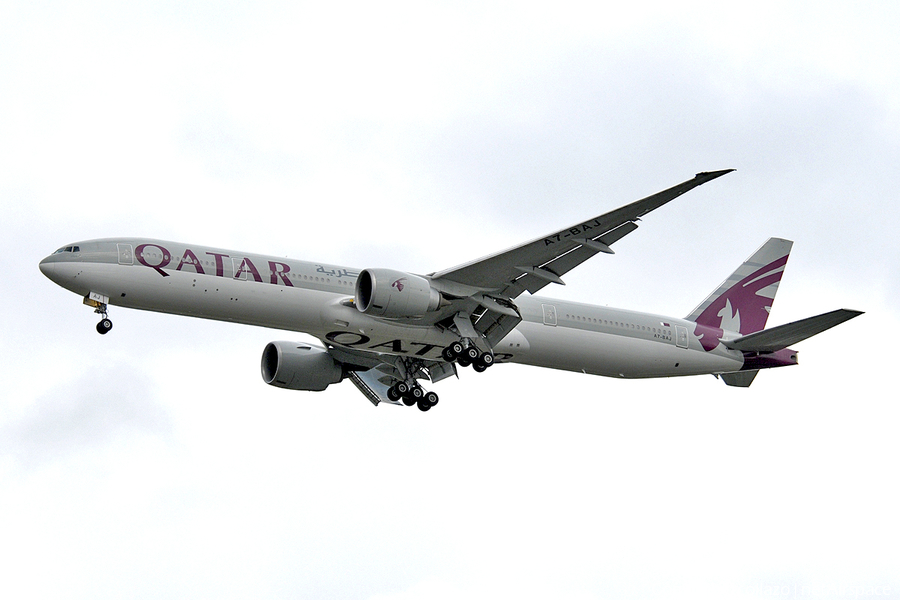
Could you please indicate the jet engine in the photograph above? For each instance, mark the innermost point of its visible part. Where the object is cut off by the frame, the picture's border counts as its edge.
(394, 294)
(297, 366)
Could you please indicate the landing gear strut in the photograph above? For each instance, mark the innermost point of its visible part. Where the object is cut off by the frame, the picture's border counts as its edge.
(98, 303)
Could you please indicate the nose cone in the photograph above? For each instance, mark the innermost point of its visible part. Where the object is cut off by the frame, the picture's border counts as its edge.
(65, 269)
(55, 269)
(47, 267)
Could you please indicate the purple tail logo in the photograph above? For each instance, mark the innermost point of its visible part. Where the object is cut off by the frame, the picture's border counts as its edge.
(399, 284)
(742, 308)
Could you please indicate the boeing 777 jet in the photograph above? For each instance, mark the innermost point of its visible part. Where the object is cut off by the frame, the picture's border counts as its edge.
(387, 331)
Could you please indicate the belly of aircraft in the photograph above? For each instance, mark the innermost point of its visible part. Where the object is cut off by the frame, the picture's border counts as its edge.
(613, 355)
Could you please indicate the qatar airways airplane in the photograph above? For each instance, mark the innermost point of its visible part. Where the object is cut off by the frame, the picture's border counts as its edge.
(387, 331)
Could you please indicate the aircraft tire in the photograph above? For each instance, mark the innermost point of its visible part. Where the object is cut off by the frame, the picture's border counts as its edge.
(104, 326)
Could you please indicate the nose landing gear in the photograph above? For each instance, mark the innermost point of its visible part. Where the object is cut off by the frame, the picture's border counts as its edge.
(98, 302)
(104, 326)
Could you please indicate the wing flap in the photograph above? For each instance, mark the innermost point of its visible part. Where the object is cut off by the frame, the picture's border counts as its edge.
(367, 382)
(778, 338)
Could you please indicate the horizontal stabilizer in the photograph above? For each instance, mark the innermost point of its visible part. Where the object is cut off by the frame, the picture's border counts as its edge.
(778, 338)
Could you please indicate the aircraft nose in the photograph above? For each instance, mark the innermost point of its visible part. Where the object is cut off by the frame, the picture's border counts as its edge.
(50, 268)
(46, 267)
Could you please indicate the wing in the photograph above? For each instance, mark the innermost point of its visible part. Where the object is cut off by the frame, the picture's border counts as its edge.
(533, 265)
(486, 288)
(478, 298)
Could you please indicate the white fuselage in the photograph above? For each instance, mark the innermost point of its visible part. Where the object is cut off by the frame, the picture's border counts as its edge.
(316, 299)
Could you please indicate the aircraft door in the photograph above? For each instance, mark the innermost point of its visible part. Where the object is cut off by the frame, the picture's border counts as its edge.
(239, 273)
(126, 254)
(549, 314)
(681, 336)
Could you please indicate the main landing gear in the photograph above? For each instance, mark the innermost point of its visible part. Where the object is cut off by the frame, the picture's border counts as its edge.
(411, 394)
(408, 391)
(468, 354)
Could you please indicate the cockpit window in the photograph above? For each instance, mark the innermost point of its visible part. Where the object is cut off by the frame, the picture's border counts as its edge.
(68, 249)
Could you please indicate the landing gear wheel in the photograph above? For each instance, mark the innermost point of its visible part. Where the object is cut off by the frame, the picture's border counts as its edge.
(479, 368)
(393, 394)
(417, 393)
(408, 400)
(104, 326)
(471, 353)
(424, 405)
(486, 359)
(447, 354)
(431, 398)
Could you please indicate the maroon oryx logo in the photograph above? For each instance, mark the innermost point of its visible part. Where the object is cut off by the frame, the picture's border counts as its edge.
(399, 284)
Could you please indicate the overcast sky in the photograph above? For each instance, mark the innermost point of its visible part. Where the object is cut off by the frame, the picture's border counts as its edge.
(154, 462)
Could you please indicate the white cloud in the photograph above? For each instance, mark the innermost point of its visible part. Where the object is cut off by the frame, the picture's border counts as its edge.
(84, 414)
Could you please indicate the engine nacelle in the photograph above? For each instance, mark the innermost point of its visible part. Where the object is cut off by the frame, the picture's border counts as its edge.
(297, 366)
(394, 294)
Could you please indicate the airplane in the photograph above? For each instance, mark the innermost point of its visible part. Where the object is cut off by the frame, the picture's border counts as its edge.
(387, 330)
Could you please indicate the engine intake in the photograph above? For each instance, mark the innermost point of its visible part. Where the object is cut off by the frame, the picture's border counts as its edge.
(296, 366)
(395, 294)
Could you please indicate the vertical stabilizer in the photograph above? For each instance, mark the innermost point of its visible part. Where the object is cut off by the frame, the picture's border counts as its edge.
(743, 301)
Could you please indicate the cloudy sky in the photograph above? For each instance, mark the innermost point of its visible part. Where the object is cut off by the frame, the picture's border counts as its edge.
(154, 462)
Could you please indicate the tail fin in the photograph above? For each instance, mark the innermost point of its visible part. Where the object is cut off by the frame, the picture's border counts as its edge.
(743, 301)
